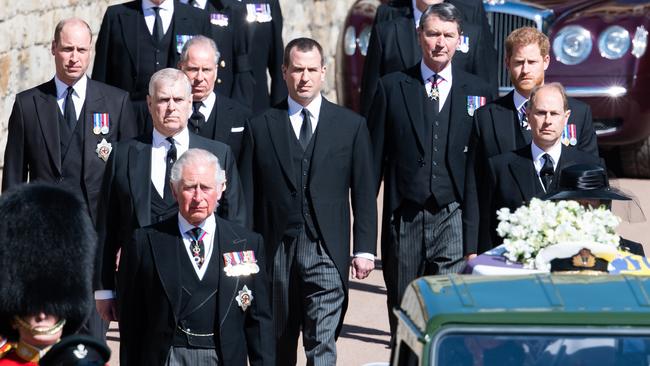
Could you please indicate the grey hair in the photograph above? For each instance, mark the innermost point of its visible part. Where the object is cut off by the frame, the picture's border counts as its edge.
(203, 41)
(169, 76)
(196, 157)
(446, 12)
(554, 85)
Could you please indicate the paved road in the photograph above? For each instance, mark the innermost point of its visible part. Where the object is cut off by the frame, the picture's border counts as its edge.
(365, 335)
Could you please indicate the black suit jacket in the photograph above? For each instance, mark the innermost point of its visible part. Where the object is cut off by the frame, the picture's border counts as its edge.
(226, 123)
(512, 182)
(33, 144)
(399, 133)
(340, 170)
(126, 197)
(265, 51)
(150, 303)
(394, 46)
(117, 51)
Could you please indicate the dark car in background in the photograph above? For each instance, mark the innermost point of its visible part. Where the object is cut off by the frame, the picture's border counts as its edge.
(598, 52)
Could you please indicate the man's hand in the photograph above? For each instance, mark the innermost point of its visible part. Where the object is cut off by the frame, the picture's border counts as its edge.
(107, 309)
(361, 267)
(469, 257)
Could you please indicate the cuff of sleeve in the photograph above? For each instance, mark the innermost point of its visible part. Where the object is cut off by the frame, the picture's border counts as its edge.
(104, 294)
(368, 256)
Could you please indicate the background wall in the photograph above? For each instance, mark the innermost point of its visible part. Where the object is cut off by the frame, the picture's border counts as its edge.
(27, 28)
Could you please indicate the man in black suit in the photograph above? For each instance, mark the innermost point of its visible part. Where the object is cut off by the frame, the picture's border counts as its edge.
(516, 177)
(63, 131)
(393, 44)
(214, 115)
(140, 37)
(501, 125)
(301, 162)
(135, 191)
(195, 284)
(264, 49)
(420, 124)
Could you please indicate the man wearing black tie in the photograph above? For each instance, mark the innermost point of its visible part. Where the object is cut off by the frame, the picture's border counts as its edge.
(214, 115)
(515, 177)
(302, 162)
(136, 190)
(420, 123)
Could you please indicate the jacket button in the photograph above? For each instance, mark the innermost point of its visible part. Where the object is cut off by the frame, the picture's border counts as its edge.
(293, 194)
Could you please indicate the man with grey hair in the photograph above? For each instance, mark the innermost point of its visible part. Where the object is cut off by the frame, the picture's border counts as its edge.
(136, 190)
(63, 131)
(214, 115)
(194, 285)
(516, 177)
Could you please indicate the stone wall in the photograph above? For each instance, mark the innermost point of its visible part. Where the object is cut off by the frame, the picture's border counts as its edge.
(27, 27)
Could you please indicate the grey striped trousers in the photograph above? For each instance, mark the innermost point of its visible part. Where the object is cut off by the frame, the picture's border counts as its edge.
(307, 293)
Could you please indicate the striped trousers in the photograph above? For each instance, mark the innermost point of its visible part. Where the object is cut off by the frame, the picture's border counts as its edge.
(421, 243)
(307, 293)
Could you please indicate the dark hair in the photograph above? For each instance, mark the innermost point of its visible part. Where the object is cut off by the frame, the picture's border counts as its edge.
(303, 44)
(446, 12)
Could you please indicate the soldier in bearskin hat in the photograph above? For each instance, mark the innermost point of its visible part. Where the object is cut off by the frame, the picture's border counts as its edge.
(47, 246)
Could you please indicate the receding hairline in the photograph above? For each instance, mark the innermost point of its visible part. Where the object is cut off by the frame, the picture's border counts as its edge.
(71, 21)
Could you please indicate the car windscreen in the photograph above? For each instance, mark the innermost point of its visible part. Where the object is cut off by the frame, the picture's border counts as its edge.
(542, 348)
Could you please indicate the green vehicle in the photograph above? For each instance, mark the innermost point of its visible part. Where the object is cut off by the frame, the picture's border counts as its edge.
(537, 320)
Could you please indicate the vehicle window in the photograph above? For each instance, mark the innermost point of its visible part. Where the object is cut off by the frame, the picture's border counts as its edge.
(541, 350)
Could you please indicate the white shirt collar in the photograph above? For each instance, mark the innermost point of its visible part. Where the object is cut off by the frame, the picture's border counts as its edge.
(537, 153)
(518, 99)
(198, 3)
(417, 14)
(313, 108)
(208, 225)
(426, 72)
(182, 138)
(79, 87)
(165, 5)
(208, 105)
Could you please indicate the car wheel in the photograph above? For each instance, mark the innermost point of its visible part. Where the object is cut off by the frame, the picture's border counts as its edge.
(635, 159)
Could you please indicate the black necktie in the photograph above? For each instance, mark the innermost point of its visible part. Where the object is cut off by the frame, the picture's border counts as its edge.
(169, 161)
(546, 173)
(197, 119)
(196, 246)
(69, 112)
(158, 31)
(305, 129)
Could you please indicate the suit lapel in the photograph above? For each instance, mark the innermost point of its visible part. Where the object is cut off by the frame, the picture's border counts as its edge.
(278, 127)
(140, 179)
(48, 113)
(503, 124)
(165, 247)
(460, 123)
(523, 170)
(222, 124)
(228, 286)
(409, 50)
(326, 135)
(412, 92)
(130, 22)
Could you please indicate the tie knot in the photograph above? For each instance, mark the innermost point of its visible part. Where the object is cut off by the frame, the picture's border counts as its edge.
(305, 113)
(195, 233)
(547, 167)
(156, 9)
(69, 91)
(196, 106)
(170, 139)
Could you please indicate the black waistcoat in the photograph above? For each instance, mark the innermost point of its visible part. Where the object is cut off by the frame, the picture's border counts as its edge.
(161, 209)
(440, 182)
(207, 128)
(152, 56)
(301, 212)
(202, 320)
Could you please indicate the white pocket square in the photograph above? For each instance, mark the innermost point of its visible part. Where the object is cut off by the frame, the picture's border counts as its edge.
(237, 129)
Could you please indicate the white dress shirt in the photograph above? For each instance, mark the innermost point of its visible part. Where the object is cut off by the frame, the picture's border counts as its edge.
(78, 94)
(209, 226)
(208, 104)
(444, 86)
(538, 159)
(295, 113)
(159, 148)
(417, 14)
(197, 3)
(166, 14)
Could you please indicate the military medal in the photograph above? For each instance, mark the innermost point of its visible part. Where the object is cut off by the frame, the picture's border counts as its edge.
(464, 44)
(573, 134)
(474, 102)
(218, 19)
(244, 298)
(566, 135)
(181, 39)
(98, 123)
(104, 149)
(240, 263)
(260, 13)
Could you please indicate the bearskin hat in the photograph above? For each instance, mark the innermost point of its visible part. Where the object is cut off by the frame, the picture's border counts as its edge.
(47, 250)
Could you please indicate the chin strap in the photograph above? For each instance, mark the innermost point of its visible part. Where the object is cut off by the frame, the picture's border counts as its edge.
(40, 330)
